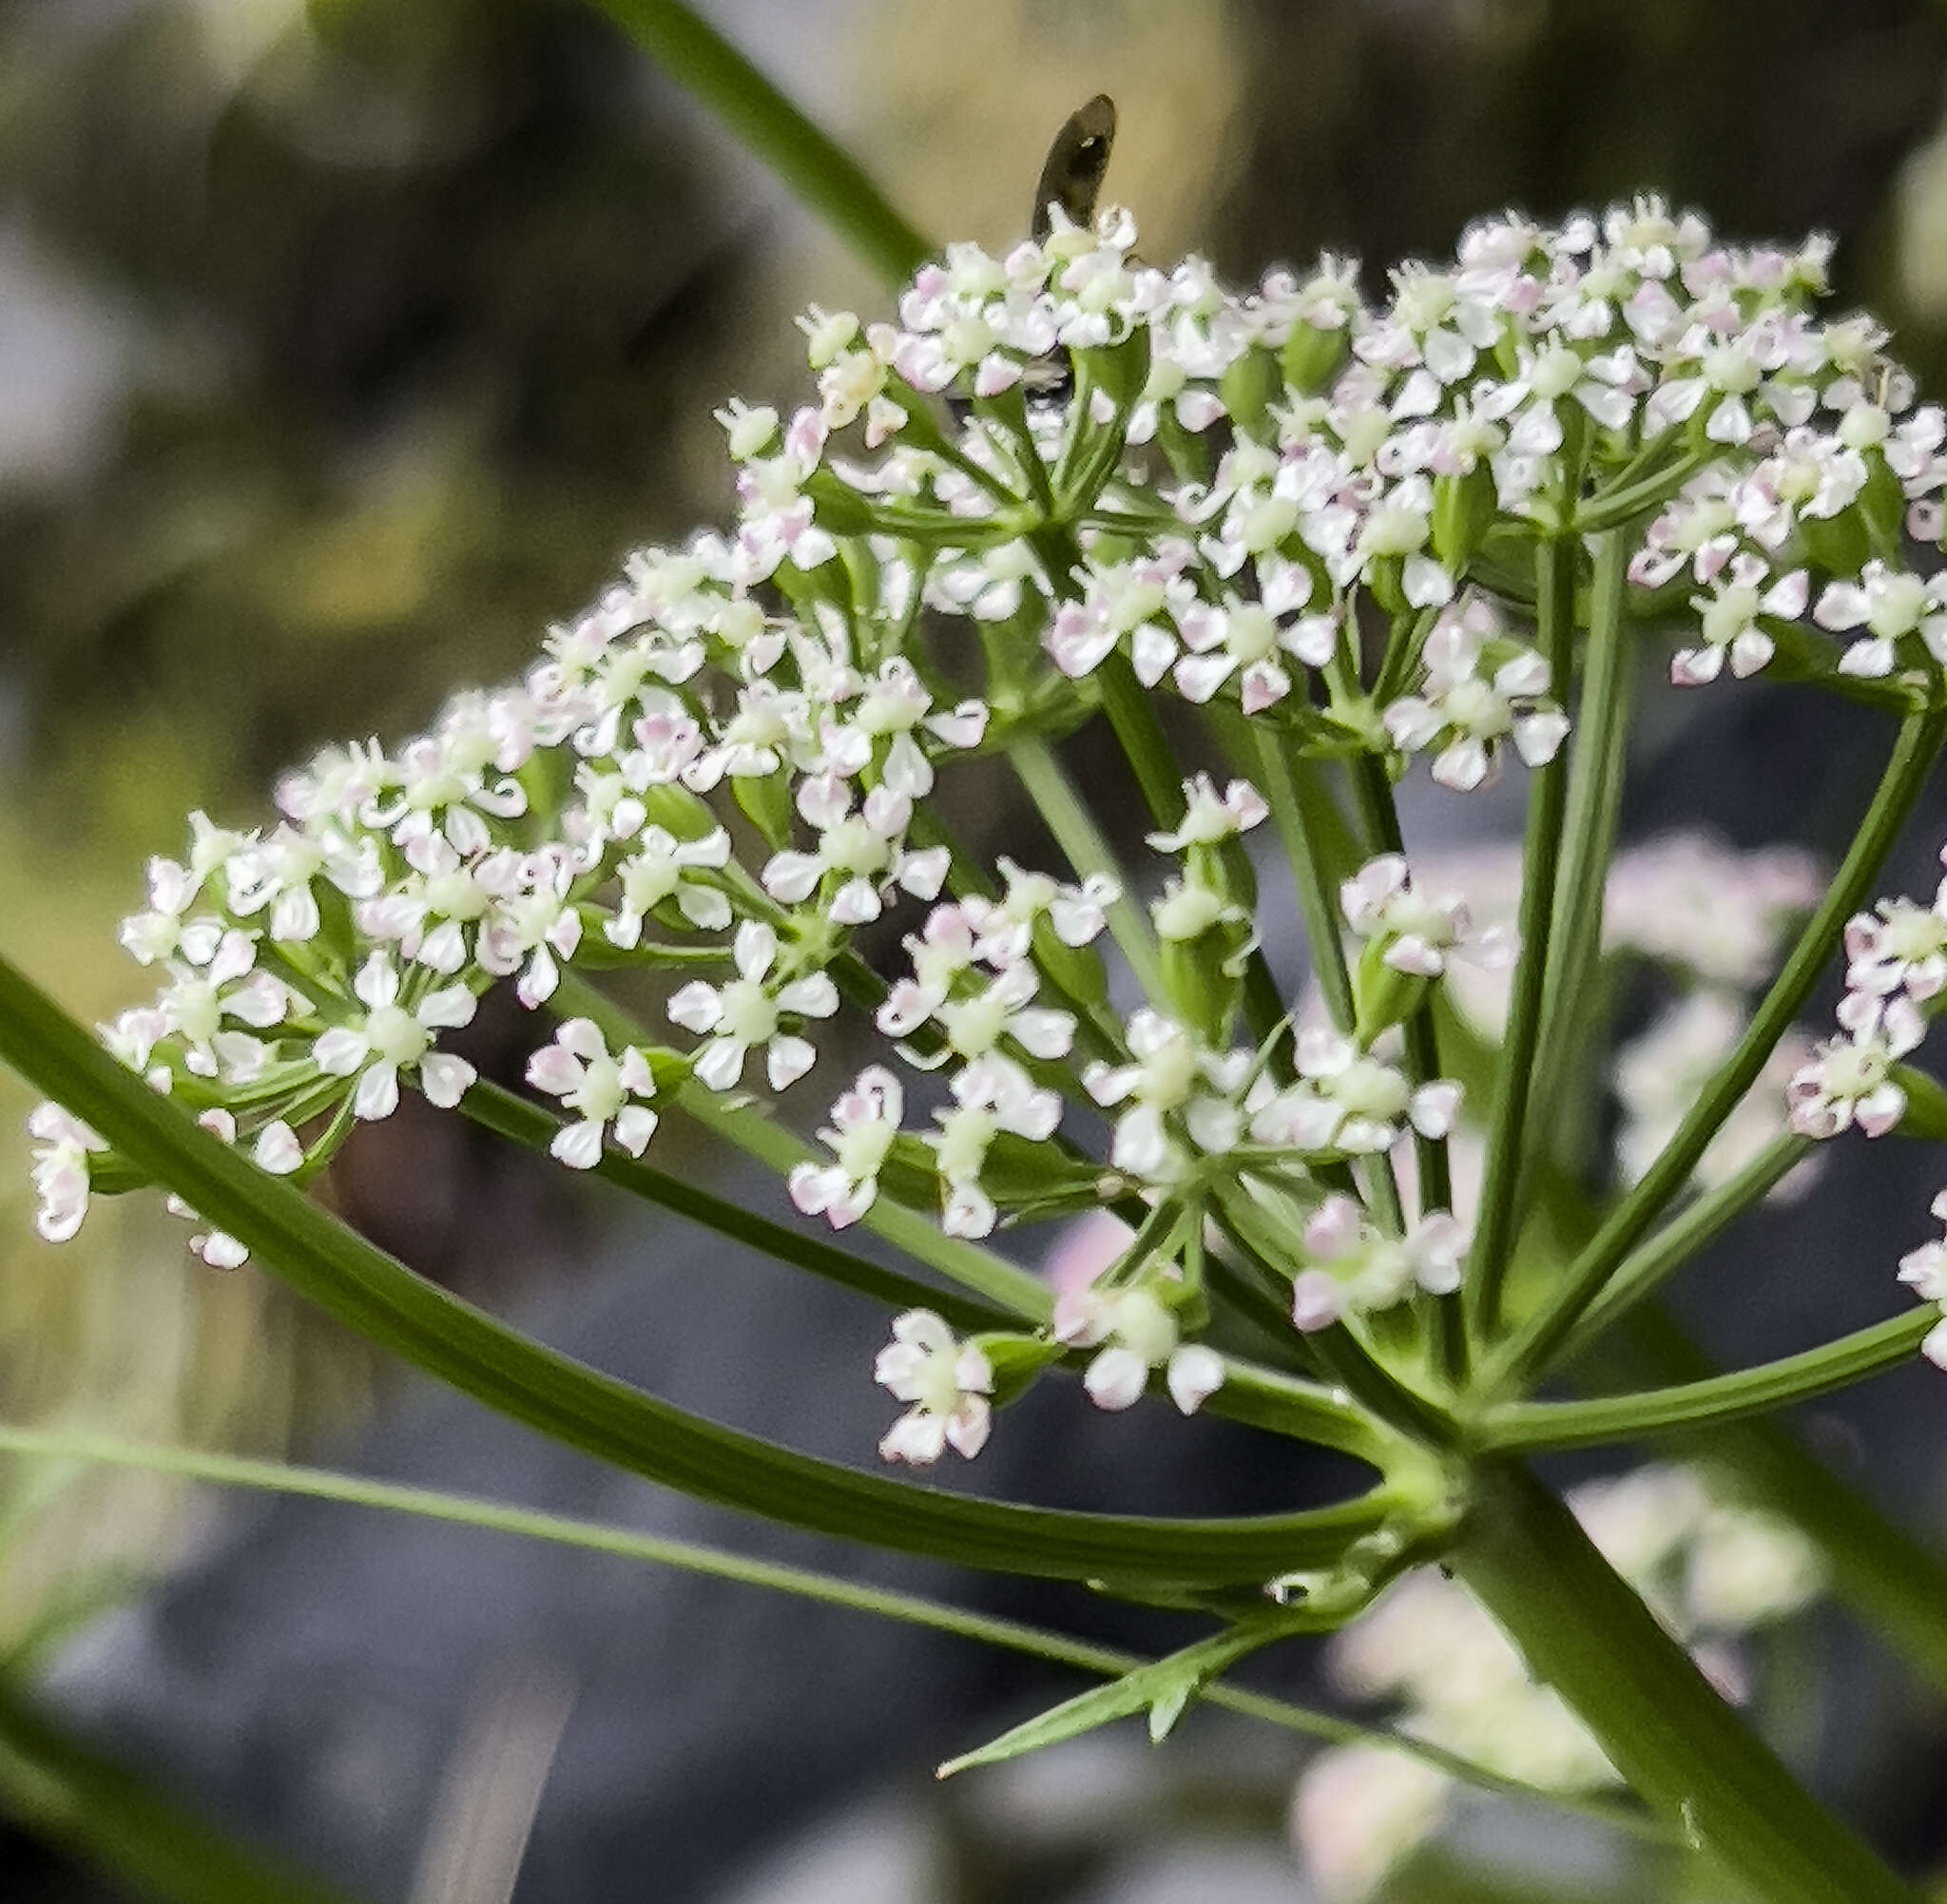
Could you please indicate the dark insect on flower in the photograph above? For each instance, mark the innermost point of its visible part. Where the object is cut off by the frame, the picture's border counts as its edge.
(1071, 178)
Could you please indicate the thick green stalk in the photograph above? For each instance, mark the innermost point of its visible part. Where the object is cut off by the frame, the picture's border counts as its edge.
(1906, 772)
(1584, 1632)
(433, 1331)
(825, 178)
(1599, 753)
(1508, 1133)
(1764, 1390)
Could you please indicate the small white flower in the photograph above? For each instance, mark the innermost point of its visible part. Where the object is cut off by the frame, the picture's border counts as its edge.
(750, 1009)
(991, 1095)
(662, 868)
(390, 1037)
(1849, 1080)
(1356, 1267)
(1729, 622)
(1888, 605)
(1175, 1082)
(1005, 928)
(59, 1170)
(1419, 933)
(1468, 717)
(1210, 818)
(578, 1069)
(864, 1122)
(948, 1383)
(1924, 1271)
(1140, 1333)
(1348, 1101)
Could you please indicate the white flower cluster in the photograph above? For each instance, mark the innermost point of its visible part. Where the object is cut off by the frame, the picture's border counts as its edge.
(726, 768)
(1711, 1569)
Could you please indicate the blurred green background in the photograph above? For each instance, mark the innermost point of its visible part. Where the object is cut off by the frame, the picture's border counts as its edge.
(343, 346)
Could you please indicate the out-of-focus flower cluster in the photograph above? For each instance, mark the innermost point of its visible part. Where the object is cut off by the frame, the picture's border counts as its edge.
(1714, 1571)
(1057, 479)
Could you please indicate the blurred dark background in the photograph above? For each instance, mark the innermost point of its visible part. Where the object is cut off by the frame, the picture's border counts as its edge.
(343, 346)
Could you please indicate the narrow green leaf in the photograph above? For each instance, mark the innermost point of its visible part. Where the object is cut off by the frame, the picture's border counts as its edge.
(818, 171)
(1164, 1688)
(714, 1563)
(375, 1295)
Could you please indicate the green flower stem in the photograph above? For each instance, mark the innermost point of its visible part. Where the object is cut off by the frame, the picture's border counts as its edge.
(1444, 1316)
(718, 1563)
(1508, 1133)
(436, 1332)
(819, 172)
(1585, 1633)
(1599, 753)
(1296, 796)
(1716, 1398)
(1906, 772)
(1893, 1583)
(1646, 1267)
(527, 1124)
(1132, 717)
(1000, 1283)
(1061, 807)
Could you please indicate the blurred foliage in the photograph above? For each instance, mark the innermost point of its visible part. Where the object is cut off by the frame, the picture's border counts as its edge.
(361, 337)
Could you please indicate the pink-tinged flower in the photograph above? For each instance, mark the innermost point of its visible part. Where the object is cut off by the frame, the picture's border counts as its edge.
(60, 1169)
(1924, 1271)
(578, 1069)
(1729, 617)
(1210, 818)
(865, 850)
(1350, 1102)
(1139, 1332)
(864, 1124)
(1469, 717)
(1888, 605)
(1904, 948)
(751, 1009)
(1135, 602)
(1355, 1267)
(532, 923)
(390, 1038)
(1419, 933)
(948, 1383)
(1241, 639)
(1849, 1080)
